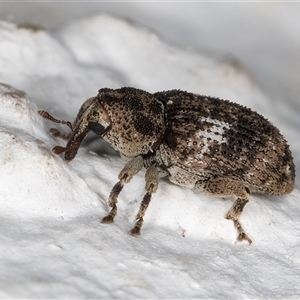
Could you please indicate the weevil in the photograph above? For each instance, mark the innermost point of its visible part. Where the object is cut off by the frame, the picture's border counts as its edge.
(215, 146)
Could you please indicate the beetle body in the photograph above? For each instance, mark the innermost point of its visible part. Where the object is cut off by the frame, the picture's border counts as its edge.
(216, 146)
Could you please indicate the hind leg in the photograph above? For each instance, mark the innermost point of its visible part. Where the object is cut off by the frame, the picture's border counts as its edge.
(219, 187)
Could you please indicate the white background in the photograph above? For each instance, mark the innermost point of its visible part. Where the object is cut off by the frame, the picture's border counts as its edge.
(51, 242)
(264, 36)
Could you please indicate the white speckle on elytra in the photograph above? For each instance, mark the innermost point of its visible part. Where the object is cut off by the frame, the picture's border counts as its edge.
(215, 134)
(215, 122)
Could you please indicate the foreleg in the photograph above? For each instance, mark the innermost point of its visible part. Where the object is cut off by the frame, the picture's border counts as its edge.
(151, 178)
(131, 168)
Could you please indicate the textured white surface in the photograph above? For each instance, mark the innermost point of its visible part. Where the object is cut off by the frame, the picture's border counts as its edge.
(51, 242)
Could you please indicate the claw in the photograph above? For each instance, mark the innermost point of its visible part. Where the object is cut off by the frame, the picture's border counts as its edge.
(244, 237)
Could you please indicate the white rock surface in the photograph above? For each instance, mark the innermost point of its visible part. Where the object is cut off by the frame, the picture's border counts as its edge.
(51, 242)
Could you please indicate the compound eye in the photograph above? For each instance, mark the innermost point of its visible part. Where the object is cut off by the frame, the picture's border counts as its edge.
(97, 128)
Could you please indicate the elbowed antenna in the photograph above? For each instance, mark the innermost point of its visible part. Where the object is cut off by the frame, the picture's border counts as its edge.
(73, 145)
(80, 129)
(89, 118)
(46, 115)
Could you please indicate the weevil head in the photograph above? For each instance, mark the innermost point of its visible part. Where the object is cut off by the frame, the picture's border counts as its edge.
(91, 116)
(137, 120)
(132, 121)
